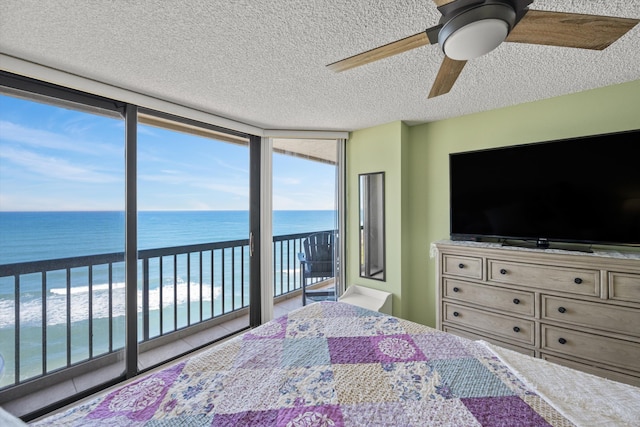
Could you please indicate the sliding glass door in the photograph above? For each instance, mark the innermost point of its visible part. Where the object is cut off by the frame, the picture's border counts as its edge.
(62, 226)
(305, 221)
(126, 240)
(193, 234)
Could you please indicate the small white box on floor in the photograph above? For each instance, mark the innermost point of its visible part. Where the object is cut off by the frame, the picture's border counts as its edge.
(372, 299)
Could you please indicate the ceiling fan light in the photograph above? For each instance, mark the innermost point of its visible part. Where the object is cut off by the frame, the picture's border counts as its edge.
(476, 30)
(475, 39)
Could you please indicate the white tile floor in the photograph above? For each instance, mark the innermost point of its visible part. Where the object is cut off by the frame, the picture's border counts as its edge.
(34, 401)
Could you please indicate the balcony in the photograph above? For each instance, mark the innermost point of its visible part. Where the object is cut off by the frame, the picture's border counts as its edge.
(67, 337)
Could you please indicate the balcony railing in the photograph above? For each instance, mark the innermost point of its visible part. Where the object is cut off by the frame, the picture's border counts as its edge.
(64, 312)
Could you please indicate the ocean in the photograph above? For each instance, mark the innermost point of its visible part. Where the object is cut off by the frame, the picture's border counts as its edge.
(32, 236)
(36, 236)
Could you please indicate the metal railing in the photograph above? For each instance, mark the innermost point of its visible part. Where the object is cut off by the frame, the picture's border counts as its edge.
(67, 311)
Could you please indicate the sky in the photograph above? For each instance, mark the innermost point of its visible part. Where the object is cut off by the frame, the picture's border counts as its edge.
(53, 158)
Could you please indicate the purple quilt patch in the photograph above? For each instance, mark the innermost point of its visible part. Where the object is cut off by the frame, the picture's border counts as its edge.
(249, 418)
(139, 400)
(504, 411)
(379, 348)
(345, 350)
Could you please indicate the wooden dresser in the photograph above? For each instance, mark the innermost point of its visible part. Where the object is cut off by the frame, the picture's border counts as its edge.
(575, 309)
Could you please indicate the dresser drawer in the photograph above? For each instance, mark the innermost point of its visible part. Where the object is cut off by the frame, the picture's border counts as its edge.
(592, 315)
(624, 287)
(475, 337)
(572, 280)
(495, 324)
(513, 301)
(462, 266)
(597, 348)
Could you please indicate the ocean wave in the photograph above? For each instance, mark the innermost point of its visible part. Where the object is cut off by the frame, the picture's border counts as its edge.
(56, 302)
(74, 290)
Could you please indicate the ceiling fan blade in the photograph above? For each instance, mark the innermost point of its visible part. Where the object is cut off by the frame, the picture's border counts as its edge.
(570, 29)
(449, 71)
(393, 48)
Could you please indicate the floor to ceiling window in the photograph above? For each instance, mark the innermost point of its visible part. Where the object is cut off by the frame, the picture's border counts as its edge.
(305, 210)
(193, 227)
(78, 295)
(62, 231)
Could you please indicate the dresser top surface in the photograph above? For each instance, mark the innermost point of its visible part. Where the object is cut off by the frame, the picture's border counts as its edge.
(600, 253)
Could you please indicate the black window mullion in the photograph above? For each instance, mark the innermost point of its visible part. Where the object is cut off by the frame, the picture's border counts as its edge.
(255, 295)
(131, 242)
(53, 92)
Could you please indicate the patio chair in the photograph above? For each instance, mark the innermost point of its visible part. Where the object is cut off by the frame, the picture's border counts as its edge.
(317, 262)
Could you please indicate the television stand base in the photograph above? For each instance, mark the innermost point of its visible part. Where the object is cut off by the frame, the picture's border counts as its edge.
(545, 244)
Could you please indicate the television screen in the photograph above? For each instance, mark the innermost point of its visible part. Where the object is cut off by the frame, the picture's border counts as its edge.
(581, 190)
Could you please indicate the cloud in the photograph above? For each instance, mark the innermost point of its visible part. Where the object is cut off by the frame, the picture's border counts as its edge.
(45, 139)
(56, 168)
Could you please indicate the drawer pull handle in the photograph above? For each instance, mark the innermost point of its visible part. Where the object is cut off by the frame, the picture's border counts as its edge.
(456, 314)
(503, 271)
(461, 265)
(562, 309)
(577, 280)
(562, 341)
(516, 329)
(516, 301)
(456, 289)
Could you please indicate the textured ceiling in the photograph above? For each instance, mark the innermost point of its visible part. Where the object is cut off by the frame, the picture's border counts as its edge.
(262, 62)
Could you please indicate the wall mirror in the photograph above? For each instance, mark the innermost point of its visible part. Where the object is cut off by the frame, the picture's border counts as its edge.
(372, 241)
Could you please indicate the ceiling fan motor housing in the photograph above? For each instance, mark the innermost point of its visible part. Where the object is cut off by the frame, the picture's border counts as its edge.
(475, 29)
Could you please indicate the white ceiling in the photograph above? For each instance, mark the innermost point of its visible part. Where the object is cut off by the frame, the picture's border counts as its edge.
(262, 62)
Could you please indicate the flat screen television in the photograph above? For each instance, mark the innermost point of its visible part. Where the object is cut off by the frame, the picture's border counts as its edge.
(582, 190)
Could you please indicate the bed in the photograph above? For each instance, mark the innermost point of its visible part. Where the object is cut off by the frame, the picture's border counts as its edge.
(335, 364)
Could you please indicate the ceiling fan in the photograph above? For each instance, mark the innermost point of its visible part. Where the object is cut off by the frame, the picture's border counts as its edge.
(471, 28)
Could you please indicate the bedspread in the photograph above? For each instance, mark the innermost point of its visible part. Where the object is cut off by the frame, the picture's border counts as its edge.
(327, 364)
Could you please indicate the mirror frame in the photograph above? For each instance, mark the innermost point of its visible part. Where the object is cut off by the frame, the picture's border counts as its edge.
(371, 218)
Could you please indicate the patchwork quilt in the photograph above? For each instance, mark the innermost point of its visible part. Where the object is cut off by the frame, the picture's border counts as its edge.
(327, 364)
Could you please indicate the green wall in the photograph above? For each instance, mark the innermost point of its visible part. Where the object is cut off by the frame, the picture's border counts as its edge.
(415, 160)
(379, 149)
